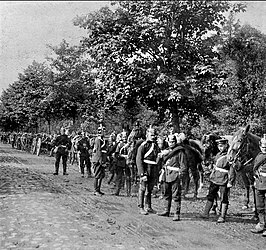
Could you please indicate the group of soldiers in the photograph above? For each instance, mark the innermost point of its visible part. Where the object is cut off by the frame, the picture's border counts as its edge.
(151, 160)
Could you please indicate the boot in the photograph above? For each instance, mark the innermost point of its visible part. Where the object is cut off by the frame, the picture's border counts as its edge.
(177, 211)
(207, 209)
(148, 203)
(264, 234)
(167, 206)
(142, 211)
(259, 228)
(221, 219)
(141, 198)
(128, 186)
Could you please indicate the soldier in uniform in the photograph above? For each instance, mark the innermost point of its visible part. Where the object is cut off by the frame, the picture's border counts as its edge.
(174, 166)
(122, 170)
(83, 147)
(62, 144)
(99, 155)
(146, 165)
(222, 178)
(260, 185)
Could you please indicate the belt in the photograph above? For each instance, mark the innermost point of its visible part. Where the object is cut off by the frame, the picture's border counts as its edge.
(125, 156)
(263, 174)
(104, 151)
(150, 162)
(221, 170)
(173, 168)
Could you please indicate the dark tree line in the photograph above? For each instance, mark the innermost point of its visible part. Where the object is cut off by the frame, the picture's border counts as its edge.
(170, 63)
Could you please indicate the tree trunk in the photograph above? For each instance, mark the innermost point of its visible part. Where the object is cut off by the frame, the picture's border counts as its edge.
(175, 122)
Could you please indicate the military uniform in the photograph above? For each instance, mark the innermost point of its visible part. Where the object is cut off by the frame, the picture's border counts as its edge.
(62, 144)
(221, 179)
(122, 169)
(147, 166)
(174, 167)
(83, 147)
(260, 185)
(99, 156)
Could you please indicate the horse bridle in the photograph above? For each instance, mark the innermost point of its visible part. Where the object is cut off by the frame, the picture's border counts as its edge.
(240, 151)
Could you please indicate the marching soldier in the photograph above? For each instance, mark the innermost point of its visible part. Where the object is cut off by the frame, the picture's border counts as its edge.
(99, 155)
(146, 165)
(62, 144)
(260, 185)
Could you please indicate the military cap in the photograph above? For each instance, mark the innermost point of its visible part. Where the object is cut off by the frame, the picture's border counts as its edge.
(222, 141)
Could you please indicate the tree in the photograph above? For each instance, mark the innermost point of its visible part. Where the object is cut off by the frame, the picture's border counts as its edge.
(245, 60)
(158, 52)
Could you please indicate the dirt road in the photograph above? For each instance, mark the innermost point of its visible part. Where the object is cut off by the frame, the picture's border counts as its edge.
(39, 210)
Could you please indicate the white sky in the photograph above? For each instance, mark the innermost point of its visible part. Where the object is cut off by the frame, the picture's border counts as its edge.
(27, 26)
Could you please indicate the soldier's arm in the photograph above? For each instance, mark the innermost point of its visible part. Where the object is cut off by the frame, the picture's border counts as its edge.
(139, 160)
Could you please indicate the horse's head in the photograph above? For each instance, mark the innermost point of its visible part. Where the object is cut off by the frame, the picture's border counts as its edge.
(209, 148)
(243, 148)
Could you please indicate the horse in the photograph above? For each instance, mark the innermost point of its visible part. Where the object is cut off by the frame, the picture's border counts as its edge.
(242, 151)
(209, 151)
(193, 151)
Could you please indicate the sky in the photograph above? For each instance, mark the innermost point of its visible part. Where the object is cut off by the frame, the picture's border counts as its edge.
(26, 27)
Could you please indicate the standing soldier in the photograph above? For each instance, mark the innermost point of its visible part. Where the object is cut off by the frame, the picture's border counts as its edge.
(83, 147)
(260, 185)
(99, 155)
(122, 170)
(146, 165)
(174, 166)
(62, 144)
(222, 178)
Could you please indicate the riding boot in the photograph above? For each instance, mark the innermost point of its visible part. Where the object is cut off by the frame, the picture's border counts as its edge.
(128, 186)
(177, 211)
(141, 202)
(260, 227)
(207, 209)
(99, 186)
(167, 207)
(96, 185)
(148, 203)
(221, 219)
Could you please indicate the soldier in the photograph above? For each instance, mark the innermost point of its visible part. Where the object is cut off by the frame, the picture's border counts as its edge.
(222, 178)
(122, 170)
(260, 185)
(174, 166)
(62, 144)
(146, 165)
(111, 154)
(83, 147)
(99, 155)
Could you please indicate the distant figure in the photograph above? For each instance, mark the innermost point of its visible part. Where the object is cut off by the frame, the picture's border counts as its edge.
(62, 144)
(99, 155)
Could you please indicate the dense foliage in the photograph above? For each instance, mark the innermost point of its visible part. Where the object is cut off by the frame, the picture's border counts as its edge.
(170, 63)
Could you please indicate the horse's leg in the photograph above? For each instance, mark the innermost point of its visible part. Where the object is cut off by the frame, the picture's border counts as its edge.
(256, 216)
(247, 187)
(196, 178)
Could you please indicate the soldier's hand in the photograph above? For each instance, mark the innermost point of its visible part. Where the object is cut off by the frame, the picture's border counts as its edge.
(144, 178)
(229, 185)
